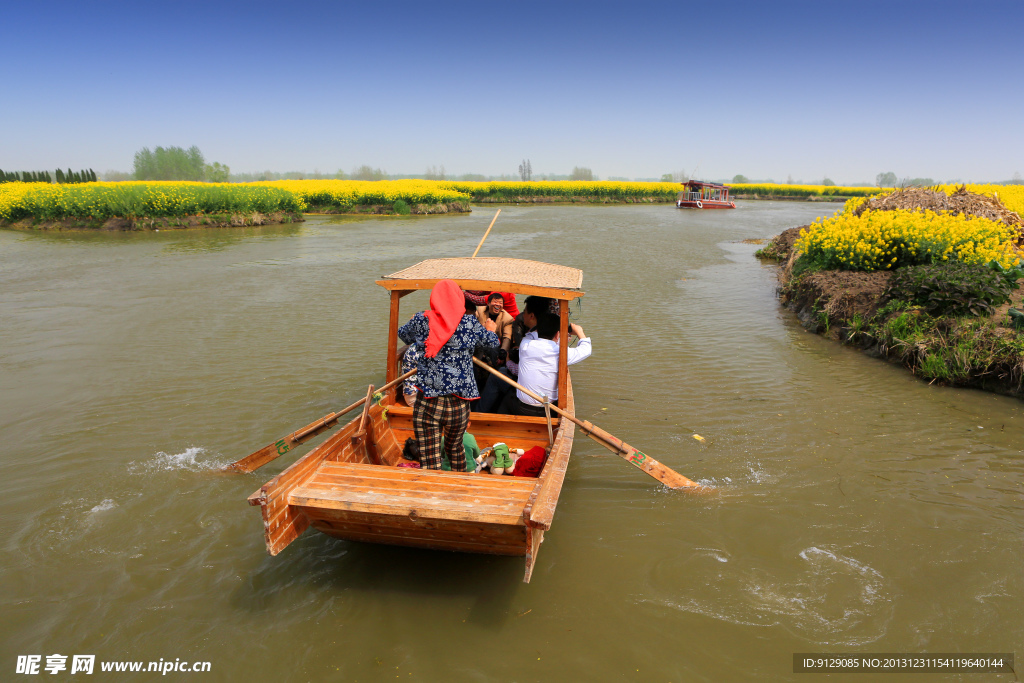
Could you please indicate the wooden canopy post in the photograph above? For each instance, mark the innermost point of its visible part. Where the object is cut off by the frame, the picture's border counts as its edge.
(391, 372)
(392, 367)
(563, 351)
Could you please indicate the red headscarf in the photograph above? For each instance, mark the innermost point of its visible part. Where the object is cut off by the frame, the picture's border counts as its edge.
(447, 306)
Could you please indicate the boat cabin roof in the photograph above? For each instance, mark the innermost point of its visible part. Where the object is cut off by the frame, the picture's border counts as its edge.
(491, 274)
(698, 183)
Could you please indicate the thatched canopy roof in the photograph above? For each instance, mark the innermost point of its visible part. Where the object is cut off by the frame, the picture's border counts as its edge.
(492, 274)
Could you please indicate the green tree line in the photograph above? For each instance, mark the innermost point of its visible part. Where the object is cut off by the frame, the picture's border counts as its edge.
(68, 176)
(177, 163)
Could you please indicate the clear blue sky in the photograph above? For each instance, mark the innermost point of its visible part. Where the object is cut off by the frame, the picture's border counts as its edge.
(637, 89)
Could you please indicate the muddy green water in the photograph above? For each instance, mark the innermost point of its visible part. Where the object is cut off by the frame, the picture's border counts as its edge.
(856, 508)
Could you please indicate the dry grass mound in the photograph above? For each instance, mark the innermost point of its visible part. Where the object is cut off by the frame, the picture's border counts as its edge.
(780, 246)
(960, 202)
(840, 294)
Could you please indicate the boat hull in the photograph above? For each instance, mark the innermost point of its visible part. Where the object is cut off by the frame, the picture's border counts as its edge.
(350, 489)
(704, 204)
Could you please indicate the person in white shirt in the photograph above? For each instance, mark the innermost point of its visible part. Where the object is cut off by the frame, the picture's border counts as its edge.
(538, 365)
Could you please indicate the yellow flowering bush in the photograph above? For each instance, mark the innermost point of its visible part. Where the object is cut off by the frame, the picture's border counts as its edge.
(179, 198)
(136, 199)
(12, 200)
(604, 189)
(1012, 196)
(780, 190)
(880, 240)
(346, 194)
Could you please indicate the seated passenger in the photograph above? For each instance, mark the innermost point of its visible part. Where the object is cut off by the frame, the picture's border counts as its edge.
(493, 390)
(527, 320)
(480, 299)
(494, 310)
(538, 365)
(510, 303)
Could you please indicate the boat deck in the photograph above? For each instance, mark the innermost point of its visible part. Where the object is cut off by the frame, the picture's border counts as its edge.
(428, 509)
(424, 494)
(351, 490)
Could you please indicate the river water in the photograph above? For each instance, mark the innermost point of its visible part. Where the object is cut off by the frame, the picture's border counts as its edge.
(855, 508)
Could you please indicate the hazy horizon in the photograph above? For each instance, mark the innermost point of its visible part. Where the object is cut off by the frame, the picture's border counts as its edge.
(793, 89)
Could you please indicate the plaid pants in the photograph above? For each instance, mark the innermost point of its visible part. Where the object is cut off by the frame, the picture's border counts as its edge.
(433, 418)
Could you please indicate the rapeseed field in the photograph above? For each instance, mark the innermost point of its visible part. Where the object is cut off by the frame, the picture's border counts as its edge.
(780, 190)
(568, 189)
(883, 240)
(140, 199)
(150, 199)
(137, 199)
(347, 194)
(1012, 196)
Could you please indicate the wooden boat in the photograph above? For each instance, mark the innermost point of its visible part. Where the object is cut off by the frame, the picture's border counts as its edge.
(349, 486)
(700, 195)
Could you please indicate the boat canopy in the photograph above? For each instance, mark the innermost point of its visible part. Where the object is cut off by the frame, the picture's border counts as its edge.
(490, 274)
(698, 184)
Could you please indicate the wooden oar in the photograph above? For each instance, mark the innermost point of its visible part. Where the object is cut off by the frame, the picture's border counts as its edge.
(485, 234)
(547, 416)
(272, 451)
(665, 475)
(361, 429)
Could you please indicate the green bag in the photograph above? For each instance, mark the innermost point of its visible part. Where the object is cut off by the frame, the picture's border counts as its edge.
(472, 453)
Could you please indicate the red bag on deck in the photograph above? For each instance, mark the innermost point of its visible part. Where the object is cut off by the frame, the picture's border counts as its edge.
(531, 463)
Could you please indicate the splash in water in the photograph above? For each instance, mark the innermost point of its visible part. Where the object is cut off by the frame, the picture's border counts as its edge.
(192, 459)
(107, 504)
(833, 599)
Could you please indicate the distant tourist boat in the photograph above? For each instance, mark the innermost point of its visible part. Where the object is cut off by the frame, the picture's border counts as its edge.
(698, 195)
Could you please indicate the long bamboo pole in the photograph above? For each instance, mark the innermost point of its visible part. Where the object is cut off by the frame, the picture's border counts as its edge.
(638, 459)
(485, 234)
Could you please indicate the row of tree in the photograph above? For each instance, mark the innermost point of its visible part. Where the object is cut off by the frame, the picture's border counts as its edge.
(889, 179)
(525, 174)
(44, 176)
(177, 163)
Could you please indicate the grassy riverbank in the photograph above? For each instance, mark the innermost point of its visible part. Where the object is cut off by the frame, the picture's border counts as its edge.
(135, 205)
(443, 196)
(938, 291)
(48, 205)
(799, 192)
(569, 191)
(379, 196)
(43, 205)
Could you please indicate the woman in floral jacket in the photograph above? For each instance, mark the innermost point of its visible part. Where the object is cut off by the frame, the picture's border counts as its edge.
(445, 337)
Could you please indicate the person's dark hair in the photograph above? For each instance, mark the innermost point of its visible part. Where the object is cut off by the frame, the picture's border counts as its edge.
(547, 325)
(470, 307)
(495, 295)
(411, 450)
(537, 305)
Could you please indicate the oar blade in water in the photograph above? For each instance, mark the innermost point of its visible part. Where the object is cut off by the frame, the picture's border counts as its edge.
(639, 459)
(256, 460)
